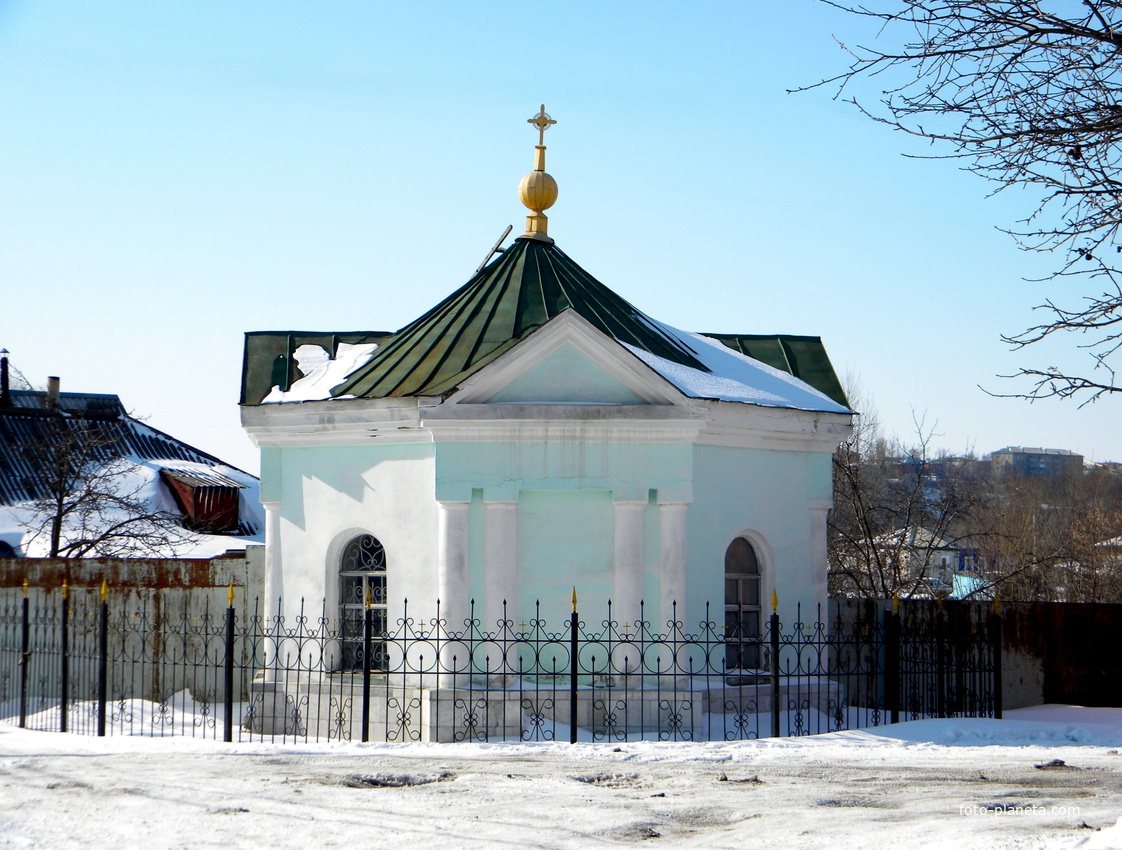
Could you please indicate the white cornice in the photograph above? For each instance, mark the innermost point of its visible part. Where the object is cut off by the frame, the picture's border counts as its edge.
(568, 430)
(336, 422)
(709, 423)
(755, 426)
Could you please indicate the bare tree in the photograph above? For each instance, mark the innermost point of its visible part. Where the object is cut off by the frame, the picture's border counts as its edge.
(1094, 571)
(897, 510)
(1025, 545)
(1024, 94)
(91, 500)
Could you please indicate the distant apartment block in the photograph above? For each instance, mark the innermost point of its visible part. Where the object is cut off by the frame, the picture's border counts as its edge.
(1030, 462)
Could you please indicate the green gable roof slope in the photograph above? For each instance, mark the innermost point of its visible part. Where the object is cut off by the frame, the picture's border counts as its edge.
(267, 359)
(531, 283)
(802, 356)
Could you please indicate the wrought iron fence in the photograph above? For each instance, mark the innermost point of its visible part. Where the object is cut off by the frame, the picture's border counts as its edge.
(95, 665)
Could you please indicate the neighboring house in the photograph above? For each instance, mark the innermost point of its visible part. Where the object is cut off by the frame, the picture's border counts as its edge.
(936, 564)
(1036, 462)
(535, 432)
(166, 497)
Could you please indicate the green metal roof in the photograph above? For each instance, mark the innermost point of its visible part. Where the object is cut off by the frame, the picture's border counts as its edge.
(267, 360)
(802, 356)
(532, 282)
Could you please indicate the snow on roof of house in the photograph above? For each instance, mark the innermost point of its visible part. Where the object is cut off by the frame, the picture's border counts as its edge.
(321, 371)
(729, 375)
(917, 537)
(202, 477)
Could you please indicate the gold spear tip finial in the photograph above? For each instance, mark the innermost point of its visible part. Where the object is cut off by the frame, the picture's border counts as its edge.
(538, 190)
(25, 588)
(230, 593)
(65, 590)
(104, 590)
(895, 603)
(574, 598)
(774, 601)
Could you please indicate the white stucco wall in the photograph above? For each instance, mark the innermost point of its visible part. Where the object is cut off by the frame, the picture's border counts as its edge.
(563, 497)
(327, 495)
(770, 497)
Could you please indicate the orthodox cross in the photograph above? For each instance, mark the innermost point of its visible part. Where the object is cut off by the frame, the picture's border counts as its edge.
(542, 122)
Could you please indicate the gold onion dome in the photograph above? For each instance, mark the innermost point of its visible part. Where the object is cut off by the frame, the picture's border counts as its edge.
(538, 190)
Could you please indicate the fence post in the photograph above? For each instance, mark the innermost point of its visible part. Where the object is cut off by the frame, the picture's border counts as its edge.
(103, 659)
(892, 661)
(367, 628)
(940, 659)
(64, 657)
(995, 647)
(24, 656)
(228, 731)
(774, 629)
(574, 625)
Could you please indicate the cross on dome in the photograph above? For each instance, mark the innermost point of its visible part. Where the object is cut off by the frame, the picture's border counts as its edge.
(543, 122)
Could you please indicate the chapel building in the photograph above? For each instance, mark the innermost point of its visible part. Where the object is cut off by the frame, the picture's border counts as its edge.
(535, 433)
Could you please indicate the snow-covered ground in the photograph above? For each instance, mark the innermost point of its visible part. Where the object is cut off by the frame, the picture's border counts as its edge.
(1044, 777)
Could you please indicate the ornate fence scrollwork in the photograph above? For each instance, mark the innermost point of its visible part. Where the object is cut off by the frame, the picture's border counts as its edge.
(212, 673)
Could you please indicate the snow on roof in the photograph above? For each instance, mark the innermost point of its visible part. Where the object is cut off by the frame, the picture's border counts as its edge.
(321, 372)
(734, 376)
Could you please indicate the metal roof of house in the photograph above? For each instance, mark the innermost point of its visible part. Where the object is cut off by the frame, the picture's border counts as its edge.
(28, 429)
(802, 356)
(268, 362)
(532, 282)
(86, 404)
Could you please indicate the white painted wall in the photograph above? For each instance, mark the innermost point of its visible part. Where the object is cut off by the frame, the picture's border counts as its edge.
(541, 519)
(326, 495)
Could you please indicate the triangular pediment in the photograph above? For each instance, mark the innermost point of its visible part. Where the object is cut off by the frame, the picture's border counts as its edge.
(568, 362)
(566, 376)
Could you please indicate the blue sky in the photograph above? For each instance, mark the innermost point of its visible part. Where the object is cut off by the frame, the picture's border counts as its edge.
(173, 175)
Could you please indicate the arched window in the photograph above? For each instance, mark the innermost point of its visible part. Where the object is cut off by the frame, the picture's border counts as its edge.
(742, 606)
(362, 583)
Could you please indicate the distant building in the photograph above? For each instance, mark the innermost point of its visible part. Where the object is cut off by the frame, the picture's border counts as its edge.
(934, 562)
(1035, 462)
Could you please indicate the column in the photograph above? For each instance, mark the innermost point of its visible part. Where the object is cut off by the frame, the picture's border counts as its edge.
(628, 565)
(271, 707)
(274, 571)
(500, 560)
(452, 526)
(672, 568)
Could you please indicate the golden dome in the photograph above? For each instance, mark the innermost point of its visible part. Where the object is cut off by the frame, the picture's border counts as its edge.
(538, 191)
